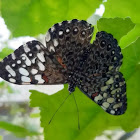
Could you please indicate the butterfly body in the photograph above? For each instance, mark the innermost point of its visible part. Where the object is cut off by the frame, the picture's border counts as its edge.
(69, 57)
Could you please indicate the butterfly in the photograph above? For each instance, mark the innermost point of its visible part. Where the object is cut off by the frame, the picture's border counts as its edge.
(69, 57)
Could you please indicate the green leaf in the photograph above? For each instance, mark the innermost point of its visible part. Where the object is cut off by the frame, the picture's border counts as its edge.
(116, 26)
(131, 61)
(35, 115)
(30, 17)
(5, 51)
(123, 9)
(130, 37)
(93, 120)
(1, 138)
(17, 130)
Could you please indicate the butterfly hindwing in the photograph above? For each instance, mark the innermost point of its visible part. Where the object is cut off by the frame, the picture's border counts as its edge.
(100, 77)
(109, 92)
(31, 63)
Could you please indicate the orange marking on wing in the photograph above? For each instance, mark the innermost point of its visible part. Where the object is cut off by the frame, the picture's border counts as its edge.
(60, 61)
(44, 77)
(95, 94)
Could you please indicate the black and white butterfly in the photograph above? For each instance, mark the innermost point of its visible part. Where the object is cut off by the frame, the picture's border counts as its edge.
(69, 57)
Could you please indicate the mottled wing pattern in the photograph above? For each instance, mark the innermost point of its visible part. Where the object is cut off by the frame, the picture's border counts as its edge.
(100, 78)
(31, 63)
(66, 39)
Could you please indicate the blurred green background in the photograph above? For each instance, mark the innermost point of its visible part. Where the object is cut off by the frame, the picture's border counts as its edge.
(20, 119)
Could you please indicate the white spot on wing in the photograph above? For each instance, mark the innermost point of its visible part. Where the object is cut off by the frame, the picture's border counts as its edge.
(99, 97)
(104, 88)
(105, 104)
(110, 81)
(60, 32)
(52, 29)
(30, 54)
(112, 112)
(10, 70)
(25, 79)
(60, 23)
(23, 58)
(67, 30)
(13, 65)
(41, 56)
(41, 66)
(105, 95)
(117, 105)
(34, 71)
(38, 47)
(27, 60)
(13, 56)
(23, 66)
(39, 78)
(69, 21)
(26, 48)
(18, 62)
(48, 37)
(12, 80)
(55, 42)
(23, 71)
(110, 100)
(33, 60)
(51, 49)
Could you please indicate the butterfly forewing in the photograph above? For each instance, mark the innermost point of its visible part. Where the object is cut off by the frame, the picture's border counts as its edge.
(65, 40)
(31, 64)
(102, 81)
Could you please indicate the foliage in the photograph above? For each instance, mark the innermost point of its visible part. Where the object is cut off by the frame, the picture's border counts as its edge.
(17, 130)
(124, 8)
(5, 51)
(121, 18)
(31, 17)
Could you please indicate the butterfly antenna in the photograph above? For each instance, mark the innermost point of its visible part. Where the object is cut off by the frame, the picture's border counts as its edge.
(77, 111)
(58, 109)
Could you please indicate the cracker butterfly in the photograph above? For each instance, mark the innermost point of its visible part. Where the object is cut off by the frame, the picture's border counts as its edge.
(69, 57)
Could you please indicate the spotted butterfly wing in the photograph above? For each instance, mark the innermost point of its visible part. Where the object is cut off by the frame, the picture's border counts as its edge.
(31, 63)
(68, 57)
(100, 78)
(66, 40)
(34, 63)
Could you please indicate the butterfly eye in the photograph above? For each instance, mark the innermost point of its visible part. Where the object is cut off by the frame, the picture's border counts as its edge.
(75, 30)
(103, 43)
(61, 33)
(83, 34)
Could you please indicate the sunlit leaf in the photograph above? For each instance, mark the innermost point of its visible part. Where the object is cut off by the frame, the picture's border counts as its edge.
(17, 130)
(123, 9)
(35, 115)
(5, 51)
(131, 61)
(30, 17)
(116, 26)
